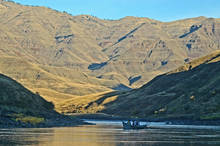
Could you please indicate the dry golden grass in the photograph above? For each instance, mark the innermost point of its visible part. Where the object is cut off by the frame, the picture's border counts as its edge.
(60, 43)
(213, 57)
(86, 104)
(51, 82)
(49, 52)
(183, 93)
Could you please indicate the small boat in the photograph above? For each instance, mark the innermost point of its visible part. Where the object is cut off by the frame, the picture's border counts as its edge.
(135, 125)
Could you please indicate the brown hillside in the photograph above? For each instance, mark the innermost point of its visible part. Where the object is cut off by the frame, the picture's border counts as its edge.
(64, 56)
(187, 92)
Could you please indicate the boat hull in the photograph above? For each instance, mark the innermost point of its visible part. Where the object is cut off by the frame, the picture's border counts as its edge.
(127, 126)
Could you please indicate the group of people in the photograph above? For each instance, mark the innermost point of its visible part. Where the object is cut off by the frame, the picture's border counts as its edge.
(133, 123)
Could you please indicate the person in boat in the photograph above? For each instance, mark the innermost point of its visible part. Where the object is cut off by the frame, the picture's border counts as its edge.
(132, 122)
(129, 123)
(137, 123)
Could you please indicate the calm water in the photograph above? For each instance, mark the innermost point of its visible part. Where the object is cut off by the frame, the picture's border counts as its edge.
(112, 134)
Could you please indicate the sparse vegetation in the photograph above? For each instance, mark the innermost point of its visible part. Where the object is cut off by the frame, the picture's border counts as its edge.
(173, 95)
(26, 119)
(213, 116)
(85, 40)
(50, 52)
(31, 120)
(19, 107)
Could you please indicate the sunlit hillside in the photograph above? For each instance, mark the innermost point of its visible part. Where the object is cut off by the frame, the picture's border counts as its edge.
(191, 91)
(62, 56)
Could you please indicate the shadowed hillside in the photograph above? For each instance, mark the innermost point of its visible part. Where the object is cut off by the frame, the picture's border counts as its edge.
(17, 99)
(191, 91)
(63, 56)
(20, 107)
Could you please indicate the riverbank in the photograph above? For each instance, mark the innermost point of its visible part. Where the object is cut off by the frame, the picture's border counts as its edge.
(56, 121)
(71, 120)
(171, 121)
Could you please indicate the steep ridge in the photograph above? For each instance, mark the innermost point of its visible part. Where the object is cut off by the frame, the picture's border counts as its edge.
(191, 91)
(82, 55)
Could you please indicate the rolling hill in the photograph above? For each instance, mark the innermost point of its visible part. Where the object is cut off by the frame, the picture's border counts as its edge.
(191, 91)
(63, 57)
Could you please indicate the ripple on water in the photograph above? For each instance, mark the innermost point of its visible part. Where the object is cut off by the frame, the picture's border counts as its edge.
(111, 135)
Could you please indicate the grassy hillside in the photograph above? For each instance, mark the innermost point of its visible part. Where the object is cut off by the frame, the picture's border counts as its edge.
(63, 56)
(87, 104)
(54, 83)
(16, 103)
(191, 91)
(38, 50)
(20, 107)
(16, 99)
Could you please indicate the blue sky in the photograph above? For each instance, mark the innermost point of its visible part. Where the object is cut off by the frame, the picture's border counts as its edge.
(163, 10)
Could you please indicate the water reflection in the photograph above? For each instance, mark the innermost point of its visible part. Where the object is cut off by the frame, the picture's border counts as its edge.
(23, 136)
(109, 135)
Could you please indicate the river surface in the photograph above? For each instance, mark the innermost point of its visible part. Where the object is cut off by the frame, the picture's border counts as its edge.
(110, 133)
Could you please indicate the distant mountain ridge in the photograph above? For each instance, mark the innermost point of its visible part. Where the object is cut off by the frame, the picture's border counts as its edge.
(63, 56)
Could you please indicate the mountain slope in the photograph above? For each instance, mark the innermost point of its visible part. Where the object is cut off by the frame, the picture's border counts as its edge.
(68, 56)
(16, 99)
(191, 91)
(19, 107)
(55, 83)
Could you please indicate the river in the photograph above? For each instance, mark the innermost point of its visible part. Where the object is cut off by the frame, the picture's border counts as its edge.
(110, 133)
